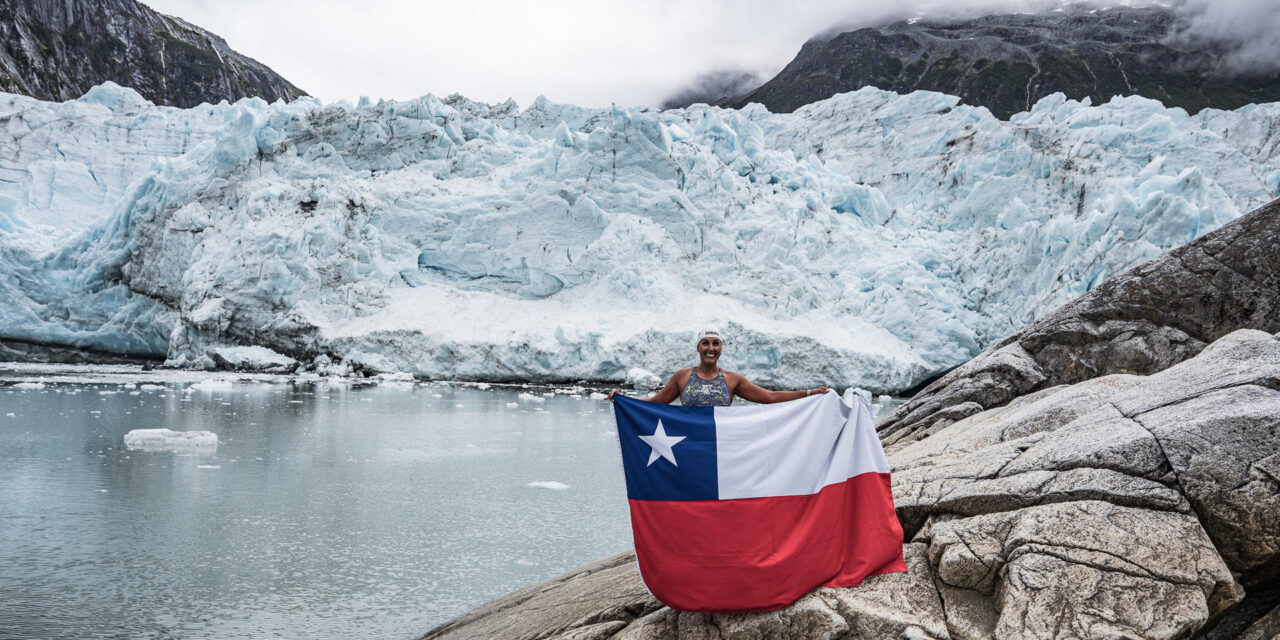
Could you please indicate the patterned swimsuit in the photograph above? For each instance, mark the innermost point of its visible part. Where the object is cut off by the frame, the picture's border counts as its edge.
(706, 393)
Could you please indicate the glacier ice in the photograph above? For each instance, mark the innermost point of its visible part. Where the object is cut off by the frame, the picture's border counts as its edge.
(867, 240)
(169, 440)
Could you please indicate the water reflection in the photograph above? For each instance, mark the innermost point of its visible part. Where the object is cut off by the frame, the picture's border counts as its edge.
(326, 510)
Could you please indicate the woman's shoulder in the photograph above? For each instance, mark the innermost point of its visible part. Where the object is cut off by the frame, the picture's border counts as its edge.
(682, 374)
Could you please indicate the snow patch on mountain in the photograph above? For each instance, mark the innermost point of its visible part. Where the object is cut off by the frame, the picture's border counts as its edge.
(867, 240)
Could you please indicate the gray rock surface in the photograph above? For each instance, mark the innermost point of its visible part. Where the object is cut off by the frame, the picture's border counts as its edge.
(1124, 506)
(57, 49)
(1266, 628)
(1140, 322)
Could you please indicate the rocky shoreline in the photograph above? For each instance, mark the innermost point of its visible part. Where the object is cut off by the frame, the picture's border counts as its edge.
(1111, 471)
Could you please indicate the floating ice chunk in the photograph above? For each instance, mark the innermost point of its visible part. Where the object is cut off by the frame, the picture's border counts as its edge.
(510, 405)
(529, 397)
(549, 484)
(852, 391)
(216, 384)
(209, 466)
(29, 385)
(167, 440)
(639, 378)
(252, 359)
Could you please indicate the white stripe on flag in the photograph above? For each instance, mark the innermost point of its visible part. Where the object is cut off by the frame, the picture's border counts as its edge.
(794, 448)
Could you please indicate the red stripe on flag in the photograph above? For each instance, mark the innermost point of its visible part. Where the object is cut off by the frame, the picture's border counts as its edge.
(757, 554)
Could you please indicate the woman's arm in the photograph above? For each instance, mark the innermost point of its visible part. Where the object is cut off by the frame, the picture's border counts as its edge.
(745, 389)
(669, 393)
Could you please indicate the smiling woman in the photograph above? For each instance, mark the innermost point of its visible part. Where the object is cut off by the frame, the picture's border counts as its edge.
(707, 385)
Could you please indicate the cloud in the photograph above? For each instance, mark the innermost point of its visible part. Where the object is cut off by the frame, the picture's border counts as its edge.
(1248, 29)
(714, 87)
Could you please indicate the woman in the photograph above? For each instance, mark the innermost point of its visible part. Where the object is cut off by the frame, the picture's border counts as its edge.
(707, 385)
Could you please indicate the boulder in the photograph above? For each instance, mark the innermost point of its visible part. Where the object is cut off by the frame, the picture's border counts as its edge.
(1140, 322)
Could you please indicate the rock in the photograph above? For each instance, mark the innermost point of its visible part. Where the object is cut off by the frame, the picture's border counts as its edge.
(602, 600)
(1223, 447)
(1266, 628)
(58, 50)
(1198, 437)
(1146, 320)
(1104, 569)
(584, 601)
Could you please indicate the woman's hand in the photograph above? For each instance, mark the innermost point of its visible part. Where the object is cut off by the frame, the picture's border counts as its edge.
(611, 394)
(818, 391)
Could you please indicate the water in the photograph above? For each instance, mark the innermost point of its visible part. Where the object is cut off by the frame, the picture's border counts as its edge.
(326, 511)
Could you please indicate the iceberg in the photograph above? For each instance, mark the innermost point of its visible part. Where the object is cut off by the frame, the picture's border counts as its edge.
(167, 440)
(870, 240)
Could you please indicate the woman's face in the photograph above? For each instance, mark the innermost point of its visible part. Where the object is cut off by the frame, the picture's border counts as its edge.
(709, 350)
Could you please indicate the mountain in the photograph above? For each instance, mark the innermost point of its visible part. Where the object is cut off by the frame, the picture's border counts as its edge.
(59, 49)
(872, 239)
(1008, 62)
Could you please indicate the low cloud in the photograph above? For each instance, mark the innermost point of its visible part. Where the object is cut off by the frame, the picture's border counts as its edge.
(714, 87)
(1249, 30)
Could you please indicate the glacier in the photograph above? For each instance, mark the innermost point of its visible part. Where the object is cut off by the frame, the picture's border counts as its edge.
(870, 240)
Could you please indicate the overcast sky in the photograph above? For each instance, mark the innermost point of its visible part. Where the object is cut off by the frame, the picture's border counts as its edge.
(586, 52)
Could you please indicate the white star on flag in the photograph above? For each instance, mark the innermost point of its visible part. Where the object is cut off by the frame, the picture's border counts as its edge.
(661, 444)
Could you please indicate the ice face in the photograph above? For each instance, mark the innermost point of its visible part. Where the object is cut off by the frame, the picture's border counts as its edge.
(867, 240)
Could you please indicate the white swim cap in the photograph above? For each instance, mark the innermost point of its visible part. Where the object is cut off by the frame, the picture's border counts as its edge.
(709, 333)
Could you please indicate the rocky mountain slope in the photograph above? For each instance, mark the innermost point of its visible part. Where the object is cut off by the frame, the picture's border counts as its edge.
(1135, 506)
(1008, 62)
(59, 49)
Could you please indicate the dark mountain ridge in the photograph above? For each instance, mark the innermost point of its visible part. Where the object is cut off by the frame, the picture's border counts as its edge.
(57, 49)
(1008, 62)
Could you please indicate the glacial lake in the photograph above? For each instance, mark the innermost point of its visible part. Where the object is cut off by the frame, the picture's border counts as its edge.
(327, 509)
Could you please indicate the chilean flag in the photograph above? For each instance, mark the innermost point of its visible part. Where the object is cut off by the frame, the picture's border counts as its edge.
(749, 508)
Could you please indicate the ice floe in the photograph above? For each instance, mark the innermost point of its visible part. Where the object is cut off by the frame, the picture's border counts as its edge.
(168, 440)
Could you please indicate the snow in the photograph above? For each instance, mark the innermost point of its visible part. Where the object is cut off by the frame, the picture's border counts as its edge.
(167, 440)
(867, 240)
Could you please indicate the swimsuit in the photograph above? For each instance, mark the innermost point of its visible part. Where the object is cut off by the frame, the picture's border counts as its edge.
(706, 393)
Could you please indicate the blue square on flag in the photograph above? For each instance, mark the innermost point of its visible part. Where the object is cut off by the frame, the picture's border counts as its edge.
(669, 453)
